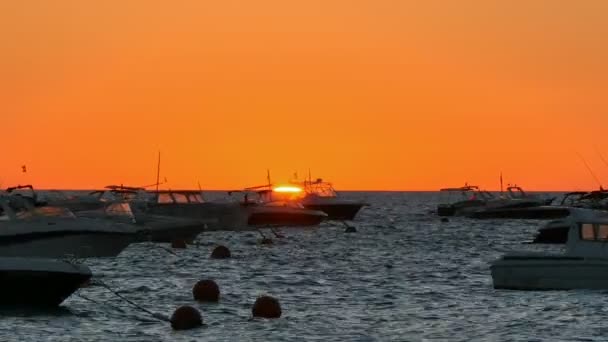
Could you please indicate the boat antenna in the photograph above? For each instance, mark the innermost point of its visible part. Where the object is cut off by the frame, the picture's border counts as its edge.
(601, 155)
(268, 177)
(589, 169)
(158, 171)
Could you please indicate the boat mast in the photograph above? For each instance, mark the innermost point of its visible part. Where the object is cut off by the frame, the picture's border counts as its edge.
(501, 188)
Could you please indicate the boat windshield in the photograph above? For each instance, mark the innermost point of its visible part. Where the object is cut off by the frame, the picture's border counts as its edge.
(45, 212)
(164, 198)
(119, 209)
(195, 198)
(594, 232)
(180, 198)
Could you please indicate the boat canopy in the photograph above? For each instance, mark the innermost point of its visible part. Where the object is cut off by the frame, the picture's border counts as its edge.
(317, 187)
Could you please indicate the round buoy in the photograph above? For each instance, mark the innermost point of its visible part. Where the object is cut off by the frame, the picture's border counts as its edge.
(266, 307)
(206, 291)
(266, 241)
(445, 219)
(186, 317)
(181, 244)
(350, 229)
(220, 252)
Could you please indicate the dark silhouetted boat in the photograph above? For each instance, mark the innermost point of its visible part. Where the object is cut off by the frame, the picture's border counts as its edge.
(38, 282)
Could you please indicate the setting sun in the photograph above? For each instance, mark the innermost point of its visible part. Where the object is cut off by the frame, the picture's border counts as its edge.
(287, 189)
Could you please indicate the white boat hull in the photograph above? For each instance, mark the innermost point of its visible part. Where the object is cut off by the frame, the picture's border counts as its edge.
(549, 273)
(79, 245)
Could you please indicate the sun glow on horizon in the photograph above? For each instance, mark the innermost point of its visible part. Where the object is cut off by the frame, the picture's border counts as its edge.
(287, 189)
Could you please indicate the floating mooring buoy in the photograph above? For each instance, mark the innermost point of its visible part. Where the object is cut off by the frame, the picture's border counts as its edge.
(186, 317)
(206, 291)
(220, 252)
(181, 244)
(266, 307)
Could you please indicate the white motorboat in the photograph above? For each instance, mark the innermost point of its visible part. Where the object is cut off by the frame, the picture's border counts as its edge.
(39, 282)
(53, 232)
(584, 265)
(154, 228)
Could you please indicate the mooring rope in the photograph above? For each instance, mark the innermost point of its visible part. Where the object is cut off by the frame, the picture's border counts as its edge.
(158, 316)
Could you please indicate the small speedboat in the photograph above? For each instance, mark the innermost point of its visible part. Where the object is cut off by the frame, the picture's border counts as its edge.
(34, 282)
(322, 196)
(584, 265)
(461, 200)
(517, 204)
(264, 211)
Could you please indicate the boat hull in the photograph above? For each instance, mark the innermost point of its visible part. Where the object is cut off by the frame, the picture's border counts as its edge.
(549, 273)
(336, 211)
(284, 218)
(446, 210)
(46, 286)
(529, 213)
(61, 244)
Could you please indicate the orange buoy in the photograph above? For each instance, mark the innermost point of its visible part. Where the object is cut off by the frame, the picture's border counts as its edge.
(178, 243)
(186, 317)
(206, 291)
(220, 252)
(266, 307)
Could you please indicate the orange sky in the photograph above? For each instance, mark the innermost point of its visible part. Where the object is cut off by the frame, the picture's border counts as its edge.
(382, 94)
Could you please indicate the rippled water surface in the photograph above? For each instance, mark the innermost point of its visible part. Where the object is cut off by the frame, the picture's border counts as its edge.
(404, 276)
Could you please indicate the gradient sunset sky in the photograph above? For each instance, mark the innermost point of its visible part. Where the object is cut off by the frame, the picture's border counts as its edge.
(382, 94)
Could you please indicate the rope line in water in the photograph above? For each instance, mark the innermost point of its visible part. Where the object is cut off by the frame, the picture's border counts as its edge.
(135, 305)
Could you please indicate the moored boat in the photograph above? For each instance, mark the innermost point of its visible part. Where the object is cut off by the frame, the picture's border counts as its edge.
(39, 282)
(322, 196)
(55, 232)
(584, 265)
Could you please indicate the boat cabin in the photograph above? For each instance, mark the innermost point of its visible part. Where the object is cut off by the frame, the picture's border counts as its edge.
(464, 193)
(588, 234)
